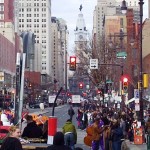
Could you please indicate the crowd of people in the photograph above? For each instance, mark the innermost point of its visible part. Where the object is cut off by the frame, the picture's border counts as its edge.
(109, 126)
(106, 128)
(64, 140)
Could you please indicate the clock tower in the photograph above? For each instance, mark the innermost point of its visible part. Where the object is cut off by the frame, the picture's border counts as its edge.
(81, 33)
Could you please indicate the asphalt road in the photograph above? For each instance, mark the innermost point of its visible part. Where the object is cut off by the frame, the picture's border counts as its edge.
(61, 112)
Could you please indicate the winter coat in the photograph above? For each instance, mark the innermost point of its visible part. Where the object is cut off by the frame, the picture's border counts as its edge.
(117, 134)
(32, 131)
(11, 143)
(69, 127)
(71, 112)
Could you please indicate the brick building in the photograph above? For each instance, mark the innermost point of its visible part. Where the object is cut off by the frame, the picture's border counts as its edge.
(133, 53)
(8, 54)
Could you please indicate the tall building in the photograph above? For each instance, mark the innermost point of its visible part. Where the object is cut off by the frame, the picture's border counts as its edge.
(8, 48)
(110, 8)
(131, 5)
(6, 19)
(6, 15)
(59, 51)
(35, 16)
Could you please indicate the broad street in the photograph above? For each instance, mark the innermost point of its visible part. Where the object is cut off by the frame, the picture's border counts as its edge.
(61, 112)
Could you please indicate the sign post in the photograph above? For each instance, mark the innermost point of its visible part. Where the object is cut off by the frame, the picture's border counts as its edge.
(93, 63)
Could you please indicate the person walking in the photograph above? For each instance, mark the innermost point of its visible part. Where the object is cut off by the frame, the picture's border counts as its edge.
(147, 126)
(70, 134)
(58, 142)
(42, 106)
(12, 142)
(71, 112)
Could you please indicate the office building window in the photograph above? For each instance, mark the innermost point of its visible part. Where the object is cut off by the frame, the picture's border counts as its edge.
(121, 22)
(1, 16)
(1, 8)
(43, 68)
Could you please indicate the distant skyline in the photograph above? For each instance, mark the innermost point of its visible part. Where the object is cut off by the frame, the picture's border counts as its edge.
(69, 10)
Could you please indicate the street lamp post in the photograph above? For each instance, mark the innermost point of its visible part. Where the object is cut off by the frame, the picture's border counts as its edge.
(141, 66)
(123, 8)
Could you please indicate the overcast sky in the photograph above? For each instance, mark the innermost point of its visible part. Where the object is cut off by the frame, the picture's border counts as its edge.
(69, 10)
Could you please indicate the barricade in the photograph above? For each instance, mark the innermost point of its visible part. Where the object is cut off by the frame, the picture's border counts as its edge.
(138, 136)
(52, 128)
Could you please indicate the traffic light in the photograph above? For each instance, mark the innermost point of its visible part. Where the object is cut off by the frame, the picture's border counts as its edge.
(72, 65)
(125, 84)
(98, 92)
(145, 80)
(80, 85)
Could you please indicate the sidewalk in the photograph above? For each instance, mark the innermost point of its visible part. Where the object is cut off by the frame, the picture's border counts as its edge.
(132, 146)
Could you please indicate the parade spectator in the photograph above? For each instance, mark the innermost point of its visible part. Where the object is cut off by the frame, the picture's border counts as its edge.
(84, 120)
(105, 119)
(147, 126)
(123, 126)
(116, 135)
(79, 119)
(12, 142)
(32, 130)
(58, 142)
(96, 133)
(89, 116)
(70, 133)
(71, 112)
(101, 124)
(4, 119)
(45, 130)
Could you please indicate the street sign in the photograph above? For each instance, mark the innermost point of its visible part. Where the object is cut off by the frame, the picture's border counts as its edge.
(51, 99)
(93, 63)
(122, 55)
(136, 93)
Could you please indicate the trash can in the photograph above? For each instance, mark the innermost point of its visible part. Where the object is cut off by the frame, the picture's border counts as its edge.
(138, 136)
(52, 129)
(148, 142)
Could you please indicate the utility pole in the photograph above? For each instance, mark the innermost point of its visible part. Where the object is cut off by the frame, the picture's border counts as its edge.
(16, 101)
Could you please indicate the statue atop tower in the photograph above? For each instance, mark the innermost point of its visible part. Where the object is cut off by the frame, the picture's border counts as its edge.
(80, 7)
